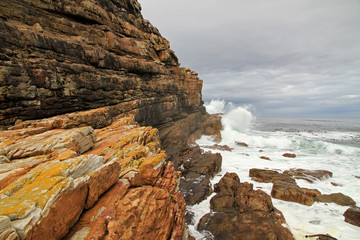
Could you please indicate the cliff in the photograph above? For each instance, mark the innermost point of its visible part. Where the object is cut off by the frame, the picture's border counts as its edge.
(91, 96)
(78, 80)
(65, 56)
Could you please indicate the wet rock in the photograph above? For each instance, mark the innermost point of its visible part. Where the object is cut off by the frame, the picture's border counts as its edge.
(264, 175)
(291, 192)
(265, 158)
(220, 147)
(212, 126)
(308, 175)
(242, 144)
(289, 155)
(337, 198)
(321, 237)
(197, 167)
(242, 213)
(352, 216)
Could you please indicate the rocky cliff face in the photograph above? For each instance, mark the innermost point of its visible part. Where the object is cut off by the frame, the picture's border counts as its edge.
(64, 56)
(60, 178)
(76, 78)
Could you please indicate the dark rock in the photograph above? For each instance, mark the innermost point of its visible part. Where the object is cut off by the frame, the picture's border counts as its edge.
(337, 198)
(242, 213)
(220, 147)
(352, 216)
(265, 158)
(197, 167)
(242, 144)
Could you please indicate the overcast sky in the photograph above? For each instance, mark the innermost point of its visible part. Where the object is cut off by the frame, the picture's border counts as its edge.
(299, 57)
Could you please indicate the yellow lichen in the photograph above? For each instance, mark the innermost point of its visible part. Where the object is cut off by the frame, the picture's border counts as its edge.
(37, 187)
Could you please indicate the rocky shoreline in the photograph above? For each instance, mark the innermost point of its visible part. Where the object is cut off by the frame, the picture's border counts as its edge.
(98, 127)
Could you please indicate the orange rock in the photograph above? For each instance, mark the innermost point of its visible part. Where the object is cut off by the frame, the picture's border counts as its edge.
(289, 155)
(100, 181)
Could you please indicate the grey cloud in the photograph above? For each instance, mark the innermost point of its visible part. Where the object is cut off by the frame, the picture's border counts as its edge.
(278, 55)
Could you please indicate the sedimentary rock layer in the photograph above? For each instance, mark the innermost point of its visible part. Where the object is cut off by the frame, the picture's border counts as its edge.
(64, 56)
(80, 183)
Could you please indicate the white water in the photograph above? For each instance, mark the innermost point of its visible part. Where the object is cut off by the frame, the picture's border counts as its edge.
(314, 150)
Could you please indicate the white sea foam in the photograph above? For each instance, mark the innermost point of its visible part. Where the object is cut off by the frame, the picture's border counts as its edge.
(313, 151)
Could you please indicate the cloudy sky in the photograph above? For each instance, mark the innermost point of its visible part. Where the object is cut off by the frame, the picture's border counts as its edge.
(282, 57)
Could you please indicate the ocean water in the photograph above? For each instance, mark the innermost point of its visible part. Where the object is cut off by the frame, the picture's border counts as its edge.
(319, 143)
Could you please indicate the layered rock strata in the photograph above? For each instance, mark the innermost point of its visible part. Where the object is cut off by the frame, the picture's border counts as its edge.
(84, 183)
(64, 56)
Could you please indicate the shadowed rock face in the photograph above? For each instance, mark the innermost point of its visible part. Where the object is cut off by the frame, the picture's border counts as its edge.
(65, 56)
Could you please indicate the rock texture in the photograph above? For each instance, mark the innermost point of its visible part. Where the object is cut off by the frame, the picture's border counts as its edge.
(80, 183)
(64, 56)
(285, 187)
(239, 212)
(352, 216)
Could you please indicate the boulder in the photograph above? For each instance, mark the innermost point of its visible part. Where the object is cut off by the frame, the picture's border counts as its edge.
(352, 216)
(308, 175)
(242, 144)
(291, 192)
(219, 147)
(289, 155)
(239, 212)
(337, 198)
(264, 175)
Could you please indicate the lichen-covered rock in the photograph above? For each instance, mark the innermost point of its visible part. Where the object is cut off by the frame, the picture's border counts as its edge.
(45, 188)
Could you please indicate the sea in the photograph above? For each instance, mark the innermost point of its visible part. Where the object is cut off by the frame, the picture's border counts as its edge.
(320, 143)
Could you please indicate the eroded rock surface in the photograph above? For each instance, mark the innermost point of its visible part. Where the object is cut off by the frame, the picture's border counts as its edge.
(112, 182)
(59, 57)
(240, 212)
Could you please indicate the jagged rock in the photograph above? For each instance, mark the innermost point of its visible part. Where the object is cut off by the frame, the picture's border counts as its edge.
(242, 213)
(197, 168)
(212, 126)
(338, 198)
(308, 175)
(352, 216)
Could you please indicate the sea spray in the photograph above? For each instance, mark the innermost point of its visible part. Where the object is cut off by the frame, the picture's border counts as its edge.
(312, 140)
